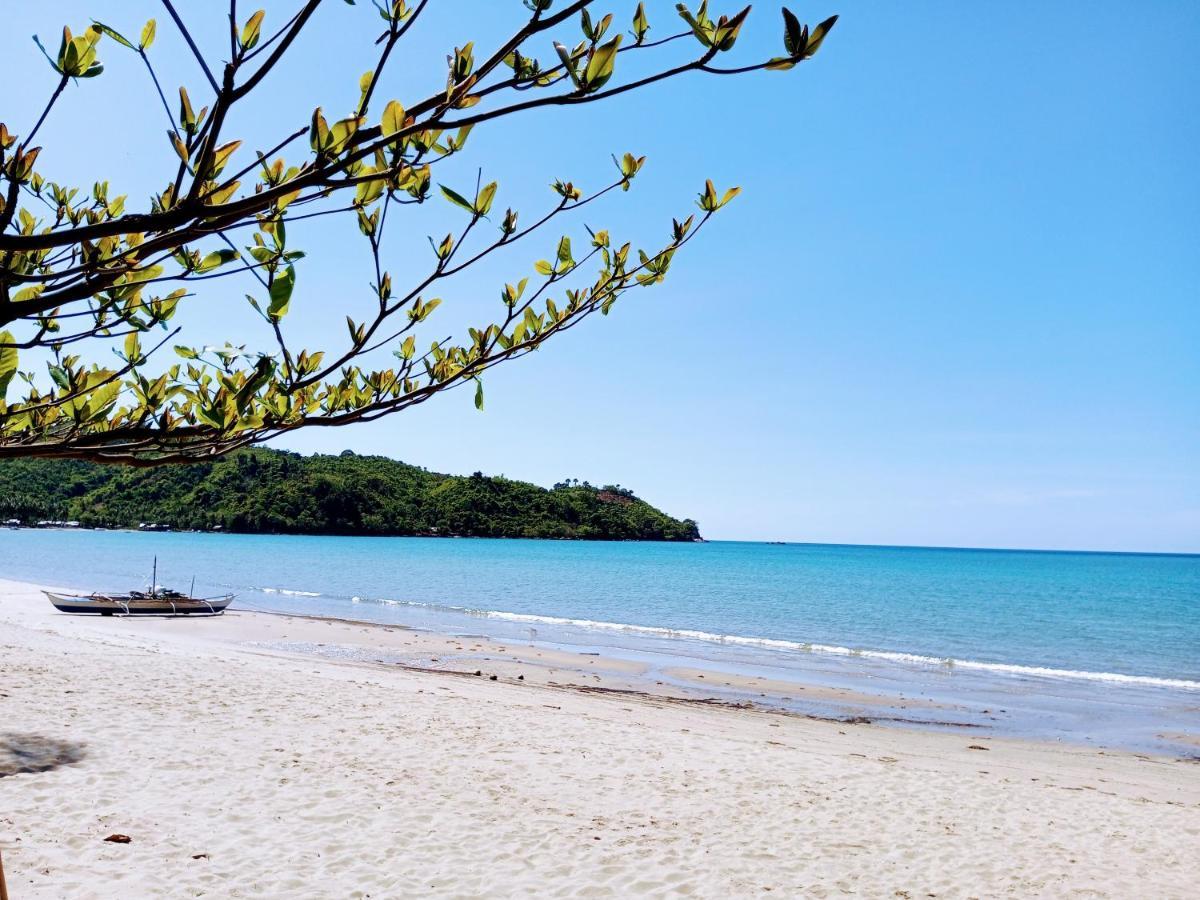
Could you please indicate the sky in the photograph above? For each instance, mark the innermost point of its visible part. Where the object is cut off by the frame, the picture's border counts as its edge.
(955, 304)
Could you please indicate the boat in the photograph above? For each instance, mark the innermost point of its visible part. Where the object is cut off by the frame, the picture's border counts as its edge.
(141, 603)
(156, 601)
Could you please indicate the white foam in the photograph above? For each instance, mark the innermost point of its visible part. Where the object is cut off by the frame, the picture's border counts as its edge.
(806, 647)
(891, 656)
(289, 593)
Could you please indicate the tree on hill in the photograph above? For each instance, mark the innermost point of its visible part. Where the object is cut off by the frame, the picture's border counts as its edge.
(264, 490)
(83, 272)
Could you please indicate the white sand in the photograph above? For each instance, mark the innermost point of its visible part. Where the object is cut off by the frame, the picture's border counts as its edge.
(304, 777)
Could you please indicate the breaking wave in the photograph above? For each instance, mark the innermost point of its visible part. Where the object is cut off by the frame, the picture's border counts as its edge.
(802, 646)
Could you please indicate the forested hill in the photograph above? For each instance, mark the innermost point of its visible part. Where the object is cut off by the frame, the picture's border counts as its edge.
(274, 491)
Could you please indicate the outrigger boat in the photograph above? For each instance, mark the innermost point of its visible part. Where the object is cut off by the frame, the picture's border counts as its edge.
(157, 601)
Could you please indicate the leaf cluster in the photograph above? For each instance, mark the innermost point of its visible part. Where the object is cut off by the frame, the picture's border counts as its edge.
(90, 288)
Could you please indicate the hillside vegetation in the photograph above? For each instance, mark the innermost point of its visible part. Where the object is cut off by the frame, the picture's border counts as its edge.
(262, 490)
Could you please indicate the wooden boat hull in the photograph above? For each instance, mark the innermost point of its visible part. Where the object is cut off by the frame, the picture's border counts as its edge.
(139, 607)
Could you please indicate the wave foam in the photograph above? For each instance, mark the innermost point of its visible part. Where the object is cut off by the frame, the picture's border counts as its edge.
(888, 655)
(289, 593)
(708, 637)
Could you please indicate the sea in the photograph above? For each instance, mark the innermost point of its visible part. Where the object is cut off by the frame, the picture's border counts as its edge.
(1100, 649)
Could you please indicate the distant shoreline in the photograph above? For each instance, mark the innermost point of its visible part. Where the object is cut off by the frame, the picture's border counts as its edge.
(126, 529)
(701, 540)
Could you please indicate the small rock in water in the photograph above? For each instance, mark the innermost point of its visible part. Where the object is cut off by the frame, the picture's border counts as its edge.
(199, 856)
(478, 673)
(118, 839)
(494, 677)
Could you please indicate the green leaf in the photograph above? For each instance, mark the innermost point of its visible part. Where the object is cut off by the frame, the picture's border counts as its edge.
(133, 347)
(115, 35)
(819, 34)
(568, 63)
(215, 259)
(699, 23)
(8, 361)
(252, 30)
(187, 118)
(393, 117)
(364, 84)
(543, 267)
(726, 35)
(793, 34)
(281, 293)
(485, 198)
(319, 137)
(60, 377)
(640, 24)
(368, 192)
(457, 199)
(600, 68)
(221, 157)
(478, 394)
(180, 148)
(342, 131)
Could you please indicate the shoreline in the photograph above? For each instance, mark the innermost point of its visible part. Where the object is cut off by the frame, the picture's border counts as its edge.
(767, 643)
(1110, 712)
(239, 767)
(1062, 551)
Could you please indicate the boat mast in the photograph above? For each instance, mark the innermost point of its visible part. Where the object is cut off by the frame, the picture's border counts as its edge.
(154, 577)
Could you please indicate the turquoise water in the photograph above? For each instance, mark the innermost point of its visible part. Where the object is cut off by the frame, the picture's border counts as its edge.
(1071, 622)
(1123, 614)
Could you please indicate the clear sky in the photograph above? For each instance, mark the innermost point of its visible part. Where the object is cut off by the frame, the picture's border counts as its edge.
(955, 305)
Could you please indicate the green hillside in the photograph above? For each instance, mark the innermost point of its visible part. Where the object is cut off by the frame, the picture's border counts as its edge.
(273, 491)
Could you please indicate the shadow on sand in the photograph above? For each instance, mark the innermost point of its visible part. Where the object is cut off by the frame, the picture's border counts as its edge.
(20, 753)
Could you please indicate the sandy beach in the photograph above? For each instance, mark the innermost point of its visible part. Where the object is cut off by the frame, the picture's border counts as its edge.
(257, 755)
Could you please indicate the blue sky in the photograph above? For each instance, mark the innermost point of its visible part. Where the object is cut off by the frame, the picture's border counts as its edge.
(956, 303)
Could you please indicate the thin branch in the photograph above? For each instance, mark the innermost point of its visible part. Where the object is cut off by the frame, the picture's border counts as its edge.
(187, 36)
(309, 8)
(45, 112)
(161, 96)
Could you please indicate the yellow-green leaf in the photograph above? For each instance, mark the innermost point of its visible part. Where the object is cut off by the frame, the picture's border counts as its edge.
(600, 68)
(393, 117)
(281, 293)
(133, 348)
(114, 34)
(252, 30)
(8, 361)
(487, 194)
(457, 199)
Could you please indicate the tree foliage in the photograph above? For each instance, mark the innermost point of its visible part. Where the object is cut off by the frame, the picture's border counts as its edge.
(81, 272)
(263, 490)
